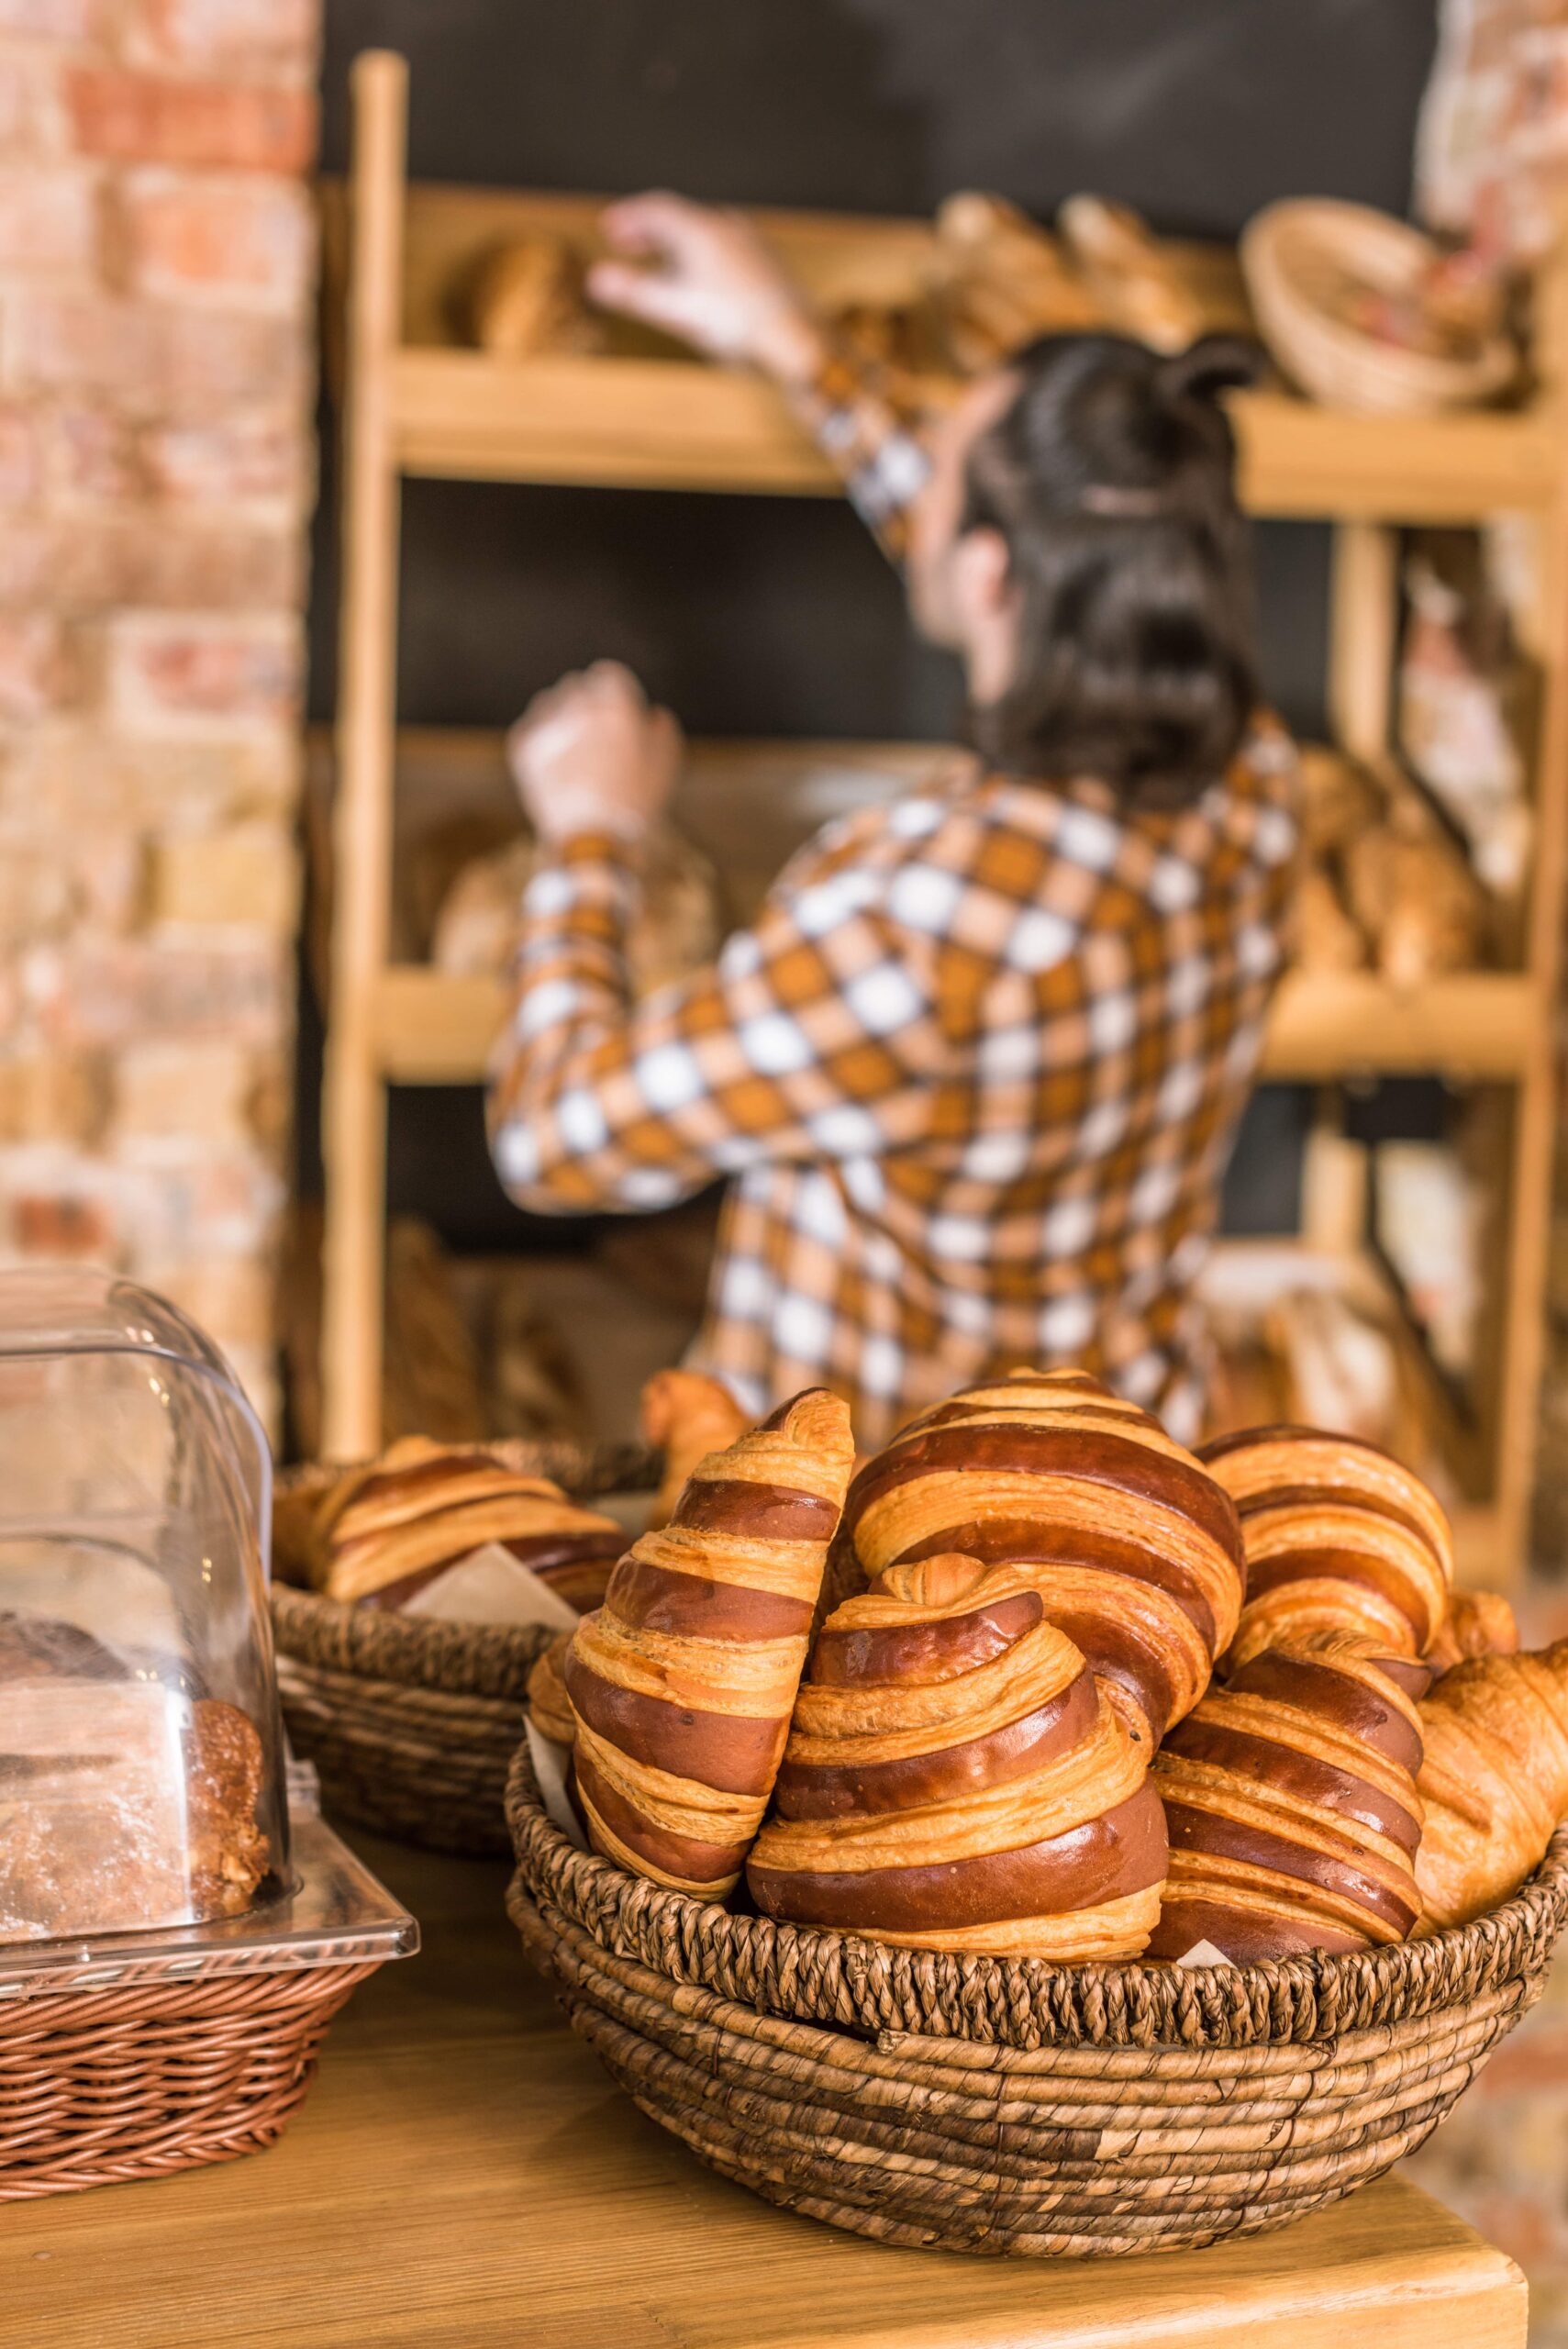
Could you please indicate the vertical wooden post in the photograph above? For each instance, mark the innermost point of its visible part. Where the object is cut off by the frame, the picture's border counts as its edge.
(1536, 1113)
(354, 1095)
(1363, 608)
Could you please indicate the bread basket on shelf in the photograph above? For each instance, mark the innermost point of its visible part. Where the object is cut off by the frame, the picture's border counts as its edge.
(1308, 262)
(411, 1722)
(1009, 2105)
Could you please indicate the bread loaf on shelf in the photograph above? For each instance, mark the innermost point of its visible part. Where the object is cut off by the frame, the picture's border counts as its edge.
(1339, 1538)
(956, 1779)
(1133, 1547)
(1290, 1798)
(683, 1683)
(525, 299)
(1494, 1780)
(383, 1532)
(687, 1414)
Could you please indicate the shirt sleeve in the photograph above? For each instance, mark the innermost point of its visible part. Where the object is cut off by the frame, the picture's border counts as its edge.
(867, 426)
(816, 1035)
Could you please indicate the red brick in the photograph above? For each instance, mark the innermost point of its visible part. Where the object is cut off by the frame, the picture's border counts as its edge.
(78, 20)
(32, 105)
(248, 34)
(95, 562)
(19, 468)
(116, 991)
(192, 236)
(192, 1089)
(146, 118)
(49, 219)
(76, 772)
(37, 672)
(50, 1096)
(147, 360)
(191, 674)
(93, 454)
(251, 457)
(243, 878)
(37, 896)
(47, 1224)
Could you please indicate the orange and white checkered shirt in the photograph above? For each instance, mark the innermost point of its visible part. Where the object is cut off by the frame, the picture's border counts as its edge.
(974, 1074)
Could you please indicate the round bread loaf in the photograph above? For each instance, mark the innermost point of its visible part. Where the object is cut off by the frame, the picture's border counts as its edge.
(1134, 1549)
(384, 1531)
(1339, 1538)
(1290, 1796)
(684, 1681)
(955, 1779)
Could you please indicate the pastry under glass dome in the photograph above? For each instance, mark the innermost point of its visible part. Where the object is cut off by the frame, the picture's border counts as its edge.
(142, 1756)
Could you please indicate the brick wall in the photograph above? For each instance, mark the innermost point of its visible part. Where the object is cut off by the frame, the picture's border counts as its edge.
(156, 472)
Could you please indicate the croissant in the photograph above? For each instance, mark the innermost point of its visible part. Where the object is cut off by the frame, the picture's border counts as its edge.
(689, 1415)
(1478, 1622)
(684, 1681)
(956, 1779)
(1339, 1538)
(550, 1707)
(1291, 1801)
(1494, 1780)
(1135, 1549)
(383, 1531)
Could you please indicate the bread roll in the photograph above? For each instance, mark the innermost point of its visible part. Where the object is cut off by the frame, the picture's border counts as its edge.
(955, 1779)
(1339, 1538)
(1291, 1802)
(1494, 1780)
(550, 1707)
(688, 1415)
(1478, 1622)
(1134, 1549)
(683, 1683)
(383, 1532)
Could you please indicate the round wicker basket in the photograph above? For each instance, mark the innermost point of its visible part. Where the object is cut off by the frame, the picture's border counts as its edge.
(1006, 2107)
(1297, 256)
(411, 1722)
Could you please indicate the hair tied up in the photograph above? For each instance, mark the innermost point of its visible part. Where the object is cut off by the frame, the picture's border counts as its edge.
(1213, 363)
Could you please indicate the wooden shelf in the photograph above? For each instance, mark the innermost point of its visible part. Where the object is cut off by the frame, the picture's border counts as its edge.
(647, 417)
(668, 424)
(433, 1028)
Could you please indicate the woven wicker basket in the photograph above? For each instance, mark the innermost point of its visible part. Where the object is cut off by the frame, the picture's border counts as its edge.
(412, 1724)
(997, 2106)
(1296, 253)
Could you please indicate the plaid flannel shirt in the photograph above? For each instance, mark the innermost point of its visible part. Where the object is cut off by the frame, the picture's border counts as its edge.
(974, 1074)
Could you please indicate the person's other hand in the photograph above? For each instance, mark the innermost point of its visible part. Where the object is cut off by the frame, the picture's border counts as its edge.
(590, 755)
(714, 283)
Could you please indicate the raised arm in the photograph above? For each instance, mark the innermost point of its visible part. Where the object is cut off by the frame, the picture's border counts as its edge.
(815, 1036)
(708, 277)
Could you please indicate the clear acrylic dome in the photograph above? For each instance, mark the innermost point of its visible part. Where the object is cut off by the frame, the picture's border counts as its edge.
(142, 1779)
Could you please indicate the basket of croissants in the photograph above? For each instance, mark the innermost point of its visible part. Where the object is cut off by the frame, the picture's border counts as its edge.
(414, 1593)
(1146, 1847)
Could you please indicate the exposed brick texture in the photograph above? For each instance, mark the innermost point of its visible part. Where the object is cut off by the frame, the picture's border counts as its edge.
(157, 334)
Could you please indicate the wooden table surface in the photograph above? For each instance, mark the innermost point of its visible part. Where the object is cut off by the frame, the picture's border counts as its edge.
(464, 2177)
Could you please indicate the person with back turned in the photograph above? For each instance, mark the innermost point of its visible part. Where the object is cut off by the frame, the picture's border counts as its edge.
(974, 1072)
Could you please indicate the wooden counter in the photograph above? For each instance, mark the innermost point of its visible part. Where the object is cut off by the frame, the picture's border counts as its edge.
(464, 2176)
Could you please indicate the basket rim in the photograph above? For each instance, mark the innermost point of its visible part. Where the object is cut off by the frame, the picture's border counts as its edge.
(489, 1660)
(805, 1975)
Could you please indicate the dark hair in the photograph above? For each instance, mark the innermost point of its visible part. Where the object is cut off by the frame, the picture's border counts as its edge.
(1110, 476)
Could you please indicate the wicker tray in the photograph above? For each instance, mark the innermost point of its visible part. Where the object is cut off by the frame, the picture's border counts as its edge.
(412, 1724)
(1006, 2106)
(134, 2056)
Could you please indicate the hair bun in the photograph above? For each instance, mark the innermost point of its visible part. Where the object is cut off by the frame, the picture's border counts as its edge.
(1213, 363)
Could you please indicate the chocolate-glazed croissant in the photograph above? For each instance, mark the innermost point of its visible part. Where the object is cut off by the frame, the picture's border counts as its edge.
(956, 1779)
(1135, 1551)
(1292, 1805)
(384, 1531)
(1339, 1539)
(684, 1681)
(689, 1415)
(1494, 1780)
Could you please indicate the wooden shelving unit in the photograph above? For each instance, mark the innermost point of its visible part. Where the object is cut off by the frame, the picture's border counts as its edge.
(415, 404)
